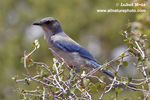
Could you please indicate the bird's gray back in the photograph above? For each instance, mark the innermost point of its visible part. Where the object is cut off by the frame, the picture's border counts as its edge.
(63, 37)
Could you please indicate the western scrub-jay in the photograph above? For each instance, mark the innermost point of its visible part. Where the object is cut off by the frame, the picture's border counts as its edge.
(73, 54)
(61, 44)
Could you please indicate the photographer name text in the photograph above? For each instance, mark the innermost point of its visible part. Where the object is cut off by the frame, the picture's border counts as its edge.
(131, 4)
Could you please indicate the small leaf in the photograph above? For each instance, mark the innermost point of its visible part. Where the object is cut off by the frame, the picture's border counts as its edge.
(122, 55)
(97, 84)
(22, 60)
(129, 79)
(68, 94)
(117, 61)
(73, 90)
(117, 90)
(131, 51)
(29, 99)
(91, 84)
(120, 90)
(22, 96)
(102, 85)
(126, 40)
(38, 67)
(102, 78)
(120, 66)
(126, 80)
(86, 82)
(137, 66)
(120, 79)
(45, 74)
(149, 72)
(71, 73)
(54, 60)
(125, 63)
(115, 73)
(129, 36)
(139, 59)
(144, 36)
(143, 60)
(28, 82)
(130, 45)
(93, 88)
(122, 32)
(83, 74)
(128, 26)
(105, 67)
(138, 55)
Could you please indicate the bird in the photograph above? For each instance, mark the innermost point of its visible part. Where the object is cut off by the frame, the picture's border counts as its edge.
(64, 47)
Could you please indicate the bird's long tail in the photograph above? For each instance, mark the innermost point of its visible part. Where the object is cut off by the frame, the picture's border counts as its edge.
(112, 76)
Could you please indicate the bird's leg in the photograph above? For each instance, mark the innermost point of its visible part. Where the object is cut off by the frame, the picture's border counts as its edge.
(74, 73)
(81, 78)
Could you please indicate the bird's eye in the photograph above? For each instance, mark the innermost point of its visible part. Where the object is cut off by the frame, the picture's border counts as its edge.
(48, 22)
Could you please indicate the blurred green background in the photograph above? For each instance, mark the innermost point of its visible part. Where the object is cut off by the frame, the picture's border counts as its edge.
(96, 31)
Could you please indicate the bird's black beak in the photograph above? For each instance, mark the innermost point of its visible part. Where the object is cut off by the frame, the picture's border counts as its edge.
(37, 23)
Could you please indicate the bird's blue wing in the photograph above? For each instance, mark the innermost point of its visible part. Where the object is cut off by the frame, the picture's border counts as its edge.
(68, 47)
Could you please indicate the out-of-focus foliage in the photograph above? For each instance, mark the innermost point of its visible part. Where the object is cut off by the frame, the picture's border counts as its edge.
(79, 20)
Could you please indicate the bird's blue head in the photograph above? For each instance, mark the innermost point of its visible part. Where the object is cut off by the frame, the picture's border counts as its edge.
(50, 25)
